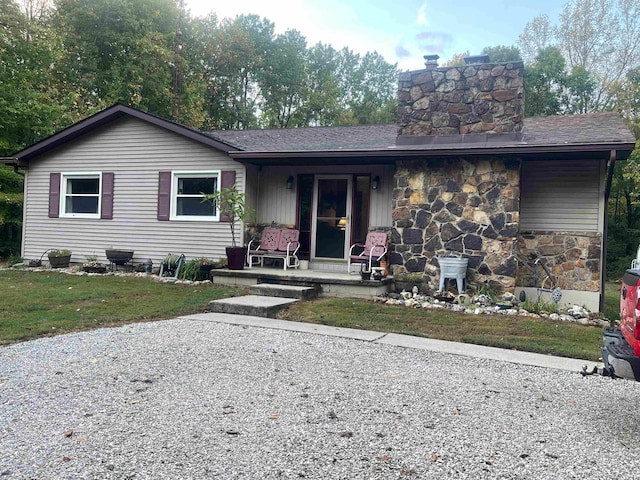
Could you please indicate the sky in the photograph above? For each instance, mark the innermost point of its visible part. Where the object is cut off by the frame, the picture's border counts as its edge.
(402, 31)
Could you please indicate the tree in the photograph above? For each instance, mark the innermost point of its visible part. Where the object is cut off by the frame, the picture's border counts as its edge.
(284, 81)
(120, 50)
(603, 38)
(537, 35)
(33, 104)
(11, 186)
(627, 94)
(503, 53)
(232, 54)
(370, 88)
(546, 80)
(324, 103)
(457, 60)
(580, 89)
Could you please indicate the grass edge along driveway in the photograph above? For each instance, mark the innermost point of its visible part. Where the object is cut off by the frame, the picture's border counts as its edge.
(36, 304)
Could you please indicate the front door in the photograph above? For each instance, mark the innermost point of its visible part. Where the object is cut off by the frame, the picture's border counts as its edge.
(331, 217)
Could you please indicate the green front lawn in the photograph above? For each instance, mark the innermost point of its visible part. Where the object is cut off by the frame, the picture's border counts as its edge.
(34, 304)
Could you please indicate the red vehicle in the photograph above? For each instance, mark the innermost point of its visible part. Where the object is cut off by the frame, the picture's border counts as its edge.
(621, 351)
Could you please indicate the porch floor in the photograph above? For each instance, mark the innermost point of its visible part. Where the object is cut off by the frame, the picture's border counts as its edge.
(328, 284)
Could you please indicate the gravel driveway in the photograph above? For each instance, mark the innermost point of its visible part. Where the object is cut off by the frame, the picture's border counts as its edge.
(195, 399)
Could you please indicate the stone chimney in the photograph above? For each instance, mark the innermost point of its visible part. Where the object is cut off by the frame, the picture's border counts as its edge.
(479, 97)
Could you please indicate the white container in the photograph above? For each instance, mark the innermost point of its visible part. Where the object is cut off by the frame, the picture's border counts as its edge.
(453, 267)
(304, 264)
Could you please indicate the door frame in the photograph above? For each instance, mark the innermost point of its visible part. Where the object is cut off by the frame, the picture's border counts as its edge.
(348, 212)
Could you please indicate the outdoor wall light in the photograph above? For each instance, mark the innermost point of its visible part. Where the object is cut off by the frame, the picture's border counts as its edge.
(290, 182)
(375, 183)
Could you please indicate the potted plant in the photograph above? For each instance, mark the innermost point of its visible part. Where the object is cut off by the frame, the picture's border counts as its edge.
(231, 204)
(206, 265)
(59, 258)
(93, 266)
(197, 269)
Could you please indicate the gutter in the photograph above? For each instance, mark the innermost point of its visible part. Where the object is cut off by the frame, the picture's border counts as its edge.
(612, 164)
(603, 254)
(13, 162)
(392, 151)
(9, 160)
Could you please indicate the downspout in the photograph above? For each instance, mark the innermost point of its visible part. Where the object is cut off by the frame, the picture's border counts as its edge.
(15, 169)
(603, 253)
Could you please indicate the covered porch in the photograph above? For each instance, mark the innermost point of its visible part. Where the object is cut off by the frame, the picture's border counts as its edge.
(333, 205)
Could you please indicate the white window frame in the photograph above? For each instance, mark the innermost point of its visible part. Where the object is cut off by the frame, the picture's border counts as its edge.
(64, 176)
(175, 176)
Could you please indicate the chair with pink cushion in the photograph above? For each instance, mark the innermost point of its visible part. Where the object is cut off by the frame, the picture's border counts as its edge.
(373, 249)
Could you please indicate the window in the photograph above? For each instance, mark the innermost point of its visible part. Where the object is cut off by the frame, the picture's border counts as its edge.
(80, 195)
(188, 190)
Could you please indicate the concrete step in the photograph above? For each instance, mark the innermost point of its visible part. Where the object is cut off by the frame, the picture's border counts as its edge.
(284, 291)
(256, 305)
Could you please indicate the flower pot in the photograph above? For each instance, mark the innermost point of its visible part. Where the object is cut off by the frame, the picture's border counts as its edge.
(235, 258)
(205, 272)
(94, 268)
(119, 257)
(377, 273)
(60, 262)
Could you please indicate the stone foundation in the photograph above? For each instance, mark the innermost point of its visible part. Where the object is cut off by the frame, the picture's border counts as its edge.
(573, 259)
(467, 206)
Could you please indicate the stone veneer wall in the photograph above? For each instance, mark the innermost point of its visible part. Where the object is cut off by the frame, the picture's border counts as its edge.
(468, 99)
(470, 206)
(572, 258)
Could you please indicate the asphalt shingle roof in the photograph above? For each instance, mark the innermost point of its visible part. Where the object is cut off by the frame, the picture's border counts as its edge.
(588, 129)
(358, 137)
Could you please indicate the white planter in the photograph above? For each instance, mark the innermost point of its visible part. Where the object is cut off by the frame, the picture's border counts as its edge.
(453, 267)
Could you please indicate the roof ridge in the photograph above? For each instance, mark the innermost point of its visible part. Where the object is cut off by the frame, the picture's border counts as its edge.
(320, 127)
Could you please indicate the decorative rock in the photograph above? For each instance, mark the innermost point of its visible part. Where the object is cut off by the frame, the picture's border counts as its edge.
(578, 312)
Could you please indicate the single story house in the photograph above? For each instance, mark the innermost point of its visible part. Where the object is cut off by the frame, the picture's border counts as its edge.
(461, 172)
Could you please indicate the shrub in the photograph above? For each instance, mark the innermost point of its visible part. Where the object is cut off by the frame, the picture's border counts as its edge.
(59, 253)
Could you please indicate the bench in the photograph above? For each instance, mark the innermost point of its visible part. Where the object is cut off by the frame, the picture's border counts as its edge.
(278, 243)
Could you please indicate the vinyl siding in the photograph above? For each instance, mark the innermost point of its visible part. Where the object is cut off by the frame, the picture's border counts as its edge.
(277, 204)
(135, 151)
(562, 196)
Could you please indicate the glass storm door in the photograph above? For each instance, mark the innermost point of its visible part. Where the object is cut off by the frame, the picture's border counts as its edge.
(331, 216)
